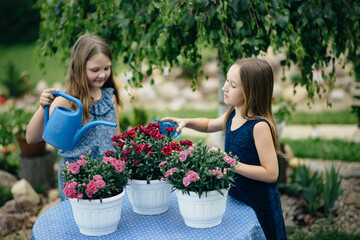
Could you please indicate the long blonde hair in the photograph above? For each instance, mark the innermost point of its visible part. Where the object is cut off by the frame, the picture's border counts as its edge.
(76, 82)
(257, 80)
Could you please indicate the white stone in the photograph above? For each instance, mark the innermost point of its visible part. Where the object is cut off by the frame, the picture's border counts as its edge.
(337, 95)
(210, 86)
(24, 194)
(58, 85)
(190, 95)
(211, 69)
(177, 103)
(41, 86)
(7, 179)
(168, 90)
(145, 94)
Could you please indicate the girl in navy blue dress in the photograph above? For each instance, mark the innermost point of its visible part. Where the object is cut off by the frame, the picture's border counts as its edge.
(250, 133)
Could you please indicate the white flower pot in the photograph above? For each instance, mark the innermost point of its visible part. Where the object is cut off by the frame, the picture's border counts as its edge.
(149, 199)
(95, 218)
(204, 212)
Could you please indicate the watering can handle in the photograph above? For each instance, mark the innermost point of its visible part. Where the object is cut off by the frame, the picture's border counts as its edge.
(64, 95)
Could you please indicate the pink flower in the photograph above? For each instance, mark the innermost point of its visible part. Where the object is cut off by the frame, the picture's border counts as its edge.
(100, 184)
(162, 163)
(88, 192)
(170, 172)
(183, 155)
(97, 177)
(216, 172)
(82, 162)
(119, 166)
(74, 167)
(82, 156)
(69, 189)
(230, 160)
(193, 176)
(91, 188)
(186, 181)
(79, 196)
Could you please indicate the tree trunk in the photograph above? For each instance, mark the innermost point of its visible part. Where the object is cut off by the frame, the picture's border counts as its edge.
(39, 170)
(220, 139)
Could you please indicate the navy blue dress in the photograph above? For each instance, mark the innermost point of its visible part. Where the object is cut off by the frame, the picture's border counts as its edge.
(262, 197)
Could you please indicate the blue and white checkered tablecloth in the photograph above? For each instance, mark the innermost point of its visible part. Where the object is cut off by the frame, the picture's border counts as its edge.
(239, 222)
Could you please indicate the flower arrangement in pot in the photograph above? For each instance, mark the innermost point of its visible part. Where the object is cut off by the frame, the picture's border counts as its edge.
(143, 149)
(20, 118)
(95, 187)
(201, 177)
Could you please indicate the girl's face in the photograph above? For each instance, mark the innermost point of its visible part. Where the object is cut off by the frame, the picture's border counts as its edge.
(233, 91)
(98, 70)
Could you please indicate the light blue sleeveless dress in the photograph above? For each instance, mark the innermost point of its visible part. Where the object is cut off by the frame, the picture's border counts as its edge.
(262, 197)
(97, 139)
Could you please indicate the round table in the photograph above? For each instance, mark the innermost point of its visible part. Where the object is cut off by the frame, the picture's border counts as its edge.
(239, 222)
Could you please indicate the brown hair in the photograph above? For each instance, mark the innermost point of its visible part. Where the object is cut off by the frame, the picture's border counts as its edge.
(76, 83)
(257, 80)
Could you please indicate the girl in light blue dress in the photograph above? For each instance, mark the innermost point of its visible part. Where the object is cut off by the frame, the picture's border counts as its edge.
(90, 79)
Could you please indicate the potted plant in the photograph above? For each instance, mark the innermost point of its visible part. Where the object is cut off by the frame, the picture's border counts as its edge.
(144, 148)
(95, 187)
(20, 118)
(201, 178)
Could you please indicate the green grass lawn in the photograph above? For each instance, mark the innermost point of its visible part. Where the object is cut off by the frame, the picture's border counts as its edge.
(325, 117)
(325, 149)
(24, 59)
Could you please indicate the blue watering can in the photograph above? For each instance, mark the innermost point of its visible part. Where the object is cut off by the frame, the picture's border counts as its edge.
(63, 130)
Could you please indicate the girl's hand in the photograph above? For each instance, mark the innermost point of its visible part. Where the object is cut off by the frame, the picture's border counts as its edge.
(46, 98)
(180, 122)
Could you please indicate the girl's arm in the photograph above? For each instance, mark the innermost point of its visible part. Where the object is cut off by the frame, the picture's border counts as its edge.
(269, 170)
(198, 124)
(35, 127)
(116, 108)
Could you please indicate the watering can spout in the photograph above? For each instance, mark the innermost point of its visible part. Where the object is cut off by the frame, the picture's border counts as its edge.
(86, 127)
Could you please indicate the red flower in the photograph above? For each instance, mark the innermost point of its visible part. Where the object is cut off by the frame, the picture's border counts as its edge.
(109, 153)
(154, 133)
(147, 148)
(175, 146)
(131, 133)
(169, 129)
(135, 162)
(120, 144)
(5, 151)
(139, 148)
(115, 138)
(187, 143)
(167, 150)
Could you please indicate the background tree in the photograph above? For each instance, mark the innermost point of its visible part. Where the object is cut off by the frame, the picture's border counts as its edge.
(19, 22)
(312, 33)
